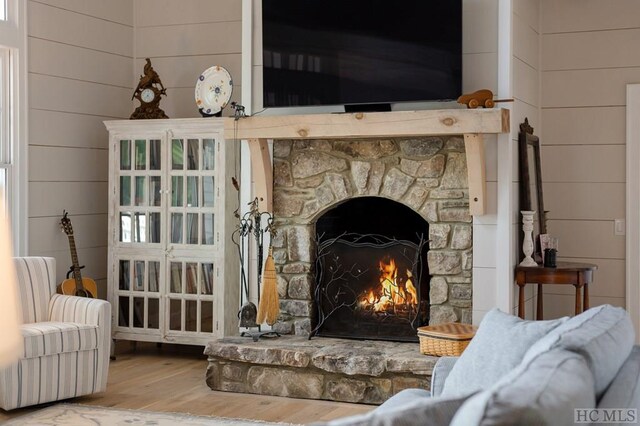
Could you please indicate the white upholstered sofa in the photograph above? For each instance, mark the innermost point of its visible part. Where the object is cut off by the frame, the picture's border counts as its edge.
(583, 369)
(66, 341)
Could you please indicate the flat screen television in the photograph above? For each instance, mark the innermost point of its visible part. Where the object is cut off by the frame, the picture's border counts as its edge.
(359, 52)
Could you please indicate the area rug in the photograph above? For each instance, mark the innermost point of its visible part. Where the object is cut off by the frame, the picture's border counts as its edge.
(81, 415)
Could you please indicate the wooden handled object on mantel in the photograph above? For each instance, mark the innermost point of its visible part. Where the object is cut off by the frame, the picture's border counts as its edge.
(472, 123)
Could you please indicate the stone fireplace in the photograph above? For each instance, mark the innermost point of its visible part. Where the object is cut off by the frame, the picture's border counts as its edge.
(324, 165)
(427, 175)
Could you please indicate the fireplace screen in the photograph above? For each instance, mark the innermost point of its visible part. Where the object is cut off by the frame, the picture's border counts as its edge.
(371, 286)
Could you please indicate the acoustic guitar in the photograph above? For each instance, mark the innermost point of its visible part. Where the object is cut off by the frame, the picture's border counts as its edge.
(76, 286)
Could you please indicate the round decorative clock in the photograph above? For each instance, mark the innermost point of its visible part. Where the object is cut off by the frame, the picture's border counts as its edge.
(149, 91)
(213, 91)
(147, 96)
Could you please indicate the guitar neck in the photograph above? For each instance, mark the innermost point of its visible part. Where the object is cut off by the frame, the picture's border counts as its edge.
(77, 275)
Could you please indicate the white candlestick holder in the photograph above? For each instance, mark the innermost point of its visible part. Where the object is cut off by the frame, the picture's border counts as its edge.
(527, 244)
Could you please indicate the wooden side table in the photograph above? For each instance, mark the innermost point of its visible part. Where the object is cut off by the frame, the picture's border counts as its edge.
(578, 275)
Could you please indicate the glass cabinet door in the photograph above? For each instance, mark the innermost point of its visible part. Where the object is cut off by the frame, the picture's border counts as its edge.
(190, 287)
(138, 293)
(192, 192)
(139, 188)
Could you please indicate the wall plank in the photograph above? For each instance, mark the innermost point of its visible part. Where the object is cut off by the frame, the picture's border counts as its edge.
(587, 88)
(171, 12)
(587, 239)
(63, 60)
(52, 23)
(188, 40)
(51, 198)
(526, 85)
(592, 49)
(61, 94)
(120, 11)
(583, 163)
(71, 164)
(584, 201)
(56, 128)
(588, 15)
(584, 126)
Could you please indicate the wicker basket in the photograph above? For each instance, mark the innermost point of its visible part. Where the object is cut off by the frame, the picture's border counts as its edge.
(449, 339)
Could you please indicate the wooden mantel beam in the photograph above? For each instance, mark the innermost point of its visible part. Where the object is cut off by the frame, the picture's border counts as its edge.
(473, 124)
(371, 125)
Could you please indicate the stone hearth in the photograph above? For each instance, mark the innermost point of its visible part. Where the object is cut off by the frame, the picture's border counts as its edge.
(334, 369)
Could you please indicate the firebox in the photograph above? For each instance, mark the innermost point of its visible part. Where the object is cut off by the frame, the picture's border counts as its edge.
(372, 275)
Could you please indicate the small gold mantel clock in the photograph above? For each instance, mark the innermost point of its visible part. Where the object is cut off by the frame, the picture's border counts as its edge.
(148, 92)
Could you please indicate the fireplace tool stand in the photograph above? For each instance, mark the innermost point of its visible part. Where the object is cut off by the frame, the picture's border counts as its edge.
(251, 225)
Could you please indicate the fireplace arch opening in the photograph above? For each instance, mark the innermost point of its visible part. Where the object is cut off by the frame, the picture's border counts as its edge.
(372, 275)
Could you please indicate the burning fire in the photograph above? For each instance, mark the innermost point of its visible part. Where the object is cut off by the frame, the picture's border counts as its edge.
(393, 292)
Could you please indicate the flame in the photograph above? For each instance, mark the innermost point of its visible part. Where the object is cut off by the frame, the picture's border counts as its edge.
(393, 292)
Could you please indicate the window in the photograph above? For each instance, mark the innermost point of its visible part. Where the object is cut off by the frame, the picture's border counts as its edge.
(5, 141)
(13, 66)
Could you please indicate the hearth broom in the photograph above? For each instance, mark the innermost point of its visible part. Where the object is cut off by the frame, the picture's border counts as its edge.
(269, 306)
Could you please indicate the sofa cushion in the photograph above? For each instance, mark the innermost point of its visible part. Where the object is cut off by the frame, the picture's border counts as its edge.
(498, 346)
(624, 391)
(603, 335)
(50, 338)
(543, 391)
(408, 408)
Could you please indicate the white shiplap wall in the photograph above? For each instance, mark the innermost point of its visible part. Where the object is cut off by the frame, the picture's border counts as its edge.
(526, 95)
(589, 54)
(80, 73)
(480, 71)
(183, 38)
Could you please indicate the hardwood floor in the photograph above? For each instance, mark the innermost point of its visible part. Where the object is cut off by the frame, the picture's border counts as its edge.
(171, 378)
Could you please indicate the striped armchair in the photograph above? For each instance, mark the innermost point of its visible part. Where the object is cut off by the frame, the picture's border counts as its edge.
(66, 341)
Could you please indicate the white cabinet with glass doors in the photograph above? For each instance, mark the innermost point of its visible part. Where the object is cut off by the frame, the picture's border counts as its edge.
(173, 270)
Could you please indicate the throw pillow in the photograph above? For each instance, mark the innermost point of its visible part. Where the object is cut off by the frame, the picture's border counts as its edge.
(603, 335)
(498, 346)
(440, 373)
(420, 412)
(544, 391)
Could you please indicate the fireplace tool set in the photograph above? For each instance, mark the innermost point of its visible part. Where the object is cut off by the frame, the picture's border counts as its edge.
(254, 224)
